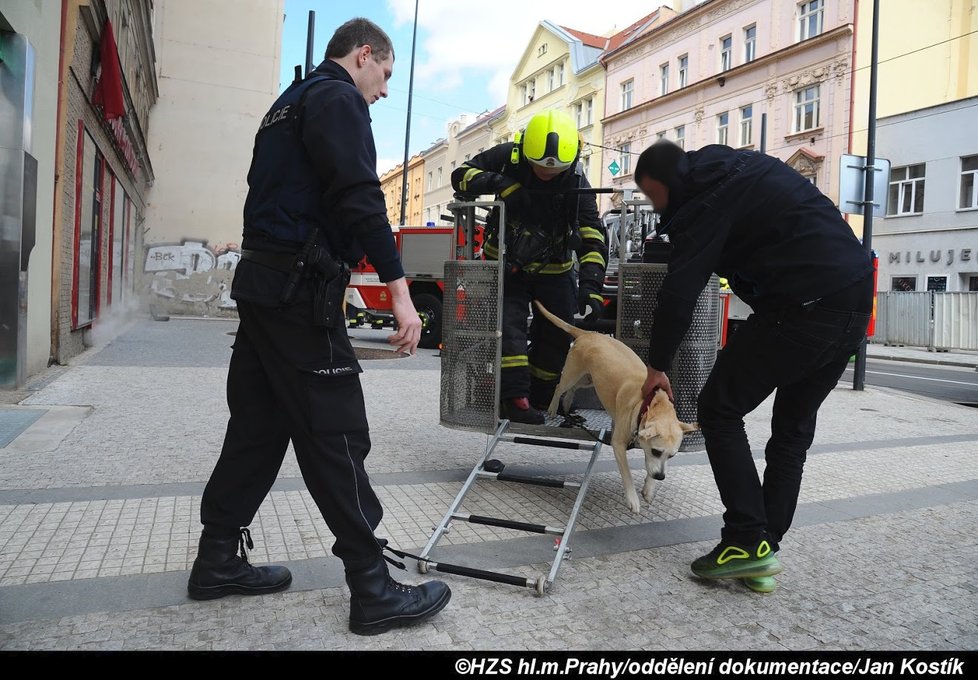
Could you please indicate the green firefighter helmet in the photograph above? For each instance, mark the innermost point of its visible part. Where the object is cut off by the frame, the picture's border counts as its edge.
(551, 141)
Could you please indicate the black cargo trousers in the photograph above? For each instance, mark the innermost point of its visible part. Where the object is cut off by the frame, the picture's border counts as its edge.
(289, 379)
(532, 358)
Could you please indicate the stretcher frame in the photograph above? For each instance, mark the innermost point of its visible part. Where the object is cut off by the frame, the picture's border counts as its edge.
(550, 434)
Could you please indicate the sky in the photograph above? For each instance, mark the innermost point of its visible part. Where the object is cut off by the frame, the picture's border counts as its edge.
(466, 53)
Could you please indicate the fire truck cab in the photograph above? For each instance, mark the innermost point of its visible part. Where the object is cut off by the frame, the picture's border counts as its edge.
(424, 251)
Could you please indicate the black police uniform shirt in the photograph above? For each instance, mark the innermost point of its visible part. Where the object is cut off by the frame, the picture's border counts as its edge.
(769, 231)
(314, 164)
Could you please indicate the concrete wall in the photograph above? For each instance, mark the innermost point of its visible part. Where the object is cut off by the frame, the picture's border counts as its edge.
(943, 240)
(40, 23)
(218, 74)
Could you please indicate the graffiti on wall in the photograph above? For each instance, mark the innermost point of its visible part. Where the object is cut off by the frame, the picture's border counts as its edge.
(192, 275)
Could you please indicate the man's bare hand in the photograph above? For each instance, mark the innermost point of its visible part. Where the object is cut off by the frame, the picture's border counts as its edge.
(656, 379)
(408, 322)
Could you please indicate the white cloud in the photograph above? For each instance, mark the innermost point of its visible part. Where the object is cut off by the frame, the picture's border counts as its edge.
(465, 40)
(385, 164)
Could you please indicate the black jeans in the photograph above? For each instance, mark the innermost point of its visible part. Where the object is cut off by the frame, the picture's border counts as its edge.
(800, 353)
(291, 380)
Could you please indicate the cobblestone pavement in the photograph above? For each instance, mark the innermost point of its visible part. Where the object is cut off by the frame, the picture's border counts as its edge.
(105, 462)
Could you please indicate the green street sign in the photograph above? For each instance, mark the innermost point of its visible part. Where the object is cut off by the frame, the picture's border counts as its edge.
(615, 168)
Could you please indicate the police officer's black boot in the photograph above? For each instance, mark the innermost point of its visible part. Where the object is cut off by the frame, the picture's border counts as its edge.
(378, 603)
(219, 570)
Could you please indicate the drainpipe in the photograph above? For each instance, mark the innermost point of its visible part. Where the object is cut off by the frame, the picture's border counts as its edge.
(56, 213)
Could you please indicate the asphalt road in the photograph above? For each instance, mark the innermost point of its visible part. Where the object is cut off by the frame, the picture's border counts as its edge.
(948, 383)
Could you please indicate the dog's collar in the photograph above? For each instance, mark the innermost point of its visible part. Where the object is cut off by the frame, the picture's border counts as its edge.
(646, 402)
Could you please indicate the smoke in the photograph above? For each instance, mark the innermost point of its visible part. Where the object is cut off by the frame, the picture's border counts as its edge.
(110, 324)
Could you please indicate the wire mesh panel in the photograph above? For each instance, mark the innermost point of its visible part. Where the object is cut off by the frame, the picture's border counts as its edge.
(697, 353)
(471, 343)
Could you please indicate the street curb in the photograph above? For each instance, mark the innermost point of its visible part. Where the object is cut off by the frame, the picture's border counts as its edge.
(940, 362)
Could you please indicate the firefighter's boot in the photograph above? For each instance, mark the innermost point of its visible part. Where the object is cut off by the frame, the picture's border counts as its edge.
(219, 570)
(378, 603)
(518, 410)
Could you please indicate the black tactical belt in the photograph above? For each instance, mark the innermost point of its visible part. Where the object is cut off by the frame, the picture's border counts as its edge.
(283, 262)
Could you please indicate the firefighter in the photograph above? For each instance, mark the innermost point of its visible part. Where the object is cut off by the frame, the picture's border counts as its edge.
(786, 251)
(544, 227)
(314, 206)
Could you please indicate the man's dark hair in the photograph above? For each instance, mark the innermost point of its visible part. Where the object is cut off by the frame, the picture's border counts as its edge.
(663, 161)
(356, 33)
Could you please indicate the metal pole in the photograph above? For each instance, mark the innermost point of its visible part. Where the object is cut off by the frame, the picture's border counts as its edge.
(763, 132)
(407, 131)
(859, 370)
(310, 39)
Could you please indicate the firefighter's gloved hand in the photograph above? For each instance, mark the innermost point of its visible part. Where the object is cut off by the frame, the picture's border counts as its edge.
(589, 302)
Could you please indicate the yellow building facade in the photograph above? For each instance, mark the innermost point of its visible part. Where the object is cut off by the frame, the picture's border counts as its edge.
(559, 70)
(928, 56)
(392, 183)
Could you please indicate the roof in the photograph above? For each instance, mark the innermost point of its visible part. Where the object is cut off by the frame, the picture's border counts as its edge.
(588, 39)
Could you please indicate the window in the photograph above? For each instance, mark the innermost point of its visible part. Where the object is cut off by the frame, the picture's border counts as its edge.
(903, 284)
(937, 283)
(750, 44)
(683, 69)
(973, 284)
(88, 231)
(660, 135)
(583, 111)
(626, 159)
(746, 125)
(559, 69)
(439, 178)
(542, 50)
(681, 136)
(806, 109)
(528, 91)
(453, 165)
(726, 53)
(626, 94)
(810, 18)
(586, 165)
(723, 121)
(467, 156)
(664, 79)
(429, 182)
(906, 190)
(118, 228)
(969, 187)
(551, 79)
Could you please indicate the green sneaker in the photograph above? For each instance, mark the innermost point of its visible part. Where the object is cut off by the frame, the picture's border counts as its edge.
(761, 584)
(729, 560)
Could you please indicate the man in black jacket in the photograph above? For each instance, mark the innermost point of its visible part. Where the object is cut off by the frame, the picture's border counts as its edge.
(544, 226)
(314, 207)
(786, 251)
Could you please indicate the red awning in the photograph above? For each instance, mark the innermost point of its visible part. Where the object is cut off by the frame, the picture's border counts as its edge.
(108, 89)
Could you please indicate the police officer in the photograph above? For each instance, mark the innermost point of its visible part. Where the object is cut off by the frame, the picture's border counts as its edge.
(786, 251)
(314, 206)
(544, 226)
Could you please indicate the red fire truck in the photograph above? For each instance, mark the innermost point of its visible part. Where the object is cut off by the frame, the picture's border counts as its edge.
(423, 254)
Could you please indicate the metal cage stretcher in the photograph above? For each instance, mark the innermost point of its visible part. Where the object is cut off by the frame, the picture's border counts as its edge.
(470, 385)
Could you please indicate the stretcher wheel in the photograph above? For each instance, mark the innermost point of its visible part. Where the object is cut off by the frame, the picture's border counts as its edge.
(541, 586)
(422, 567)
